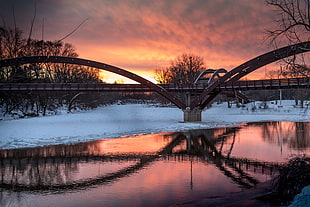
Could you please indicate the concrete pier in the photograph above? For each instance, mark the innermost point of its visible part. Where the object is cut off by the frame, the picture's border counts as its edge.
(192, 115)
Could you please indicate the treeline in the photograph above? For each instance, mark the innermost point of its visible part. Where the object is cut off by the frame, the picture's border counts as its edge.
(13, 44)
(301, 96)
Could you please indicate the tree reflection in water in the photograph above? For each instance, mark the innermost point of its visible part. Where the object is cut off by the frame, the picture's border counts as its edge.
(295, 134)
(53, 168)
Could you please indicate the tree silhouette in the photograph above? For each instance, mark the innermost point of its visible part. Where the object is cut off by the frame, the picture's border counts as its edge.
(184, 69)
(292, 26)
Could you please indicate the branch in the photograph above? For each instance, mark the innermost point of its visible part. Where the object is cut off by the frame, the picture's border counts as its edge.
(74, 30)
(293, 13)
(3, 21)
(32, 22)
(308, 2)
(14, 18)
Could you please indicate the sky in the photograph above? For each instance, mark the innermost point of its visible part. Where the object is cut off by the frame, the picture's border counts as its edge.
(144, 35)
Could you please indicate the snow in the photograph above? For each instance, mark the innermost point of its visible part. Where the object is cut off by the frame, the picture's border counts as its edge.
(132, 119)
(302, 199)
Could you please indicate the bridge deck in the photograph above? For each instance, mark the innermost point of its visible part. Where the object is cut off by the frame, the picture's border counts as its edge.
(102, 87)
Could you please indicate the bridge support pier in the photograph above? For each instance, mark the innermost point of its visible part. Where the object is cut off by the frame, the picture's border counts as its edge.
(192, 115)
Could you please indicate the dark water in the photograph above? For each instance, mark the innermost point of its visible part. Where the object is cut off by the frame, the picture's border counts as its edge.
(164, 169)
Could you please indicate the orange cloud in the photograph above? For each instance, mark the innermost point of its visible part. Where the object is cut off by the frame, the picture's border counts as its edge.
(142, 35)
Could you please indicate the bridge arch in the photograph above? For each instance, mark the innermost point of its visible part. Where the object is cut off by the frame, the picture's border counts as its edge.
(94, 64)
(244, 69)
(215, 72)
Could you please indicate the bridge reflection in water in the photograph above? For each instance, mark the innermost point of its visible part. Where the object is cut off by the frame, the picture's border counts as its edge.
(82, 166)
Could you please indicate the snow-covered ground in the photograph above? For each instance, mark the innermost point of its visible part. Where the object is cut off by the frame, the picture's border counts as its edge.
(302, 199)
(124, 120)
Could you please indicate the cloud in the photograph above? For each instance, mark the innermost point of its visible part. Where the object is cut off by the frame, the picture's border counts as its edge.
(142, 34)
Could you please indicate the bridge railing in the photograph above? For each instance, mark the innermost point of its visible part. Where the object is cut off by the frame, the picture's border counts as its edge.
(70, 87)
(199, 87)
(103, 87)
(268, 83)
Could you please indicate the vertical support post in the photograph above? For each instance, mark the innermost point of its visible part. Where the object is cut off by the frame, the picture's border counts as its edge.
(188, 99)
(192, 115)
(280, 90)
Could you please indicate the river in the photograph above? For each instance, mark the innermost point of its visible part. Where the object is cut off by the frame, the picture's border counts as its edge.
(164, 169)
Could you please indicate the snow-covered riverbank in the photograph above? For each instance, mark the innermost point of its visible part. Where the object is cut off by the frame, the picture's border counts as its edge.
(123, 120)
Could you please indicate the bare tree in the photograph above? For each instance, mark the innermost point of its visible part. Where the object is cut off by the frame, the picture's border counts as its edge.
(13, 44)
(293, 20)
(162, 75)
(184, 69)
(292, 26)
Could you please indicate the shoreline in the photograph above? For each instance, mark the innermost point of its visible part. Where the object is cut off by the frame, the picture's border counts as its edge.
(128, 120)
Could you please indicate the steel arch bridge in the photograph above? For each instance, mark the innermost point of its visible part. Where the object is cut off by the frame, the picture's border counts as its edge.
(192, 110)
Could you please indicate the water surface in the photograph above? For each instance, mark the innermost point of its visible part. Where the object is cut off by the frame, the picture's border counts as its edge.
(151, 170)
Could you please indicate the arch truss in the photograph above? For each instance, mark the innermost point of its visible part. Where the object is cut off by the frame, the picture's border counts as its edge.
(212, 90)
(215, 73)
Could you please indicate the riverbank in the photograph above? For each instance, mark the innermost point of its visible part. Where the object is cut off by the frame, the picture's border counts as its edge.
(133, 119)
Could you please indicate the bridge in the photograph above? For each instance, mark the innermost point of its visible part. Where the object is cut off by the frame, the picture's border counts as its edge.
(192, 109)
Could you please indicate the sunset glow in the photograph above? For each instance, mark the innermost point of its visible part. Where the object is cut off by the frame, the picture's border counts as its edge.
(139, 144)
(143, 35)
